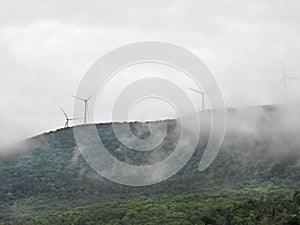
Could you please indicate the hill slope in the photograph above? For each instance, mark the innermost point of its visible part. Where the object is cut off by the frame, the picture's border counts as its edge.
(45, 180)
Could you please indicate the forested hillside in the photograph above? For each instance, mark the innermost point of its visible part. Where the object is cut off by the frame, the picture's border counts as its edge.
(45, 180)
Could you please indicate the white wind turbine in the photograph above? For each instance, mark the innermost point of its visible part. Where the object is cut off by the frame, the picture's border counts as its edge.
(284, 79)
(203, 93)
(67, 118)
(86, 108)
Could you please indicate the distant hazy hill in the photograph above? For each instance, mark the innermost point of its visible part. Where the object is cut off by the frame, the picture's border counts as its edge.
(46, 175)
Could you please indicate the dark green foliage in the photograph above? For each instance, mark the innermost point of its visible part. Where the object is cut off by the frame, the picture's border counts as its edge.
(48, 182)
(296, 197)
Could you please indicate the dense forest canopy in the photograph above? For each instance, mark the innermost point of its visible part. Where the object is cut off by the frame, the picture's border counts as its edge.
(254, 179)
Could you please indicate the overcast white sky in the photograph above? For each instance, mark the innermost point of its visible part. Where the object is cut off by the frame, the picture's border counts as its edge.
(47, 46)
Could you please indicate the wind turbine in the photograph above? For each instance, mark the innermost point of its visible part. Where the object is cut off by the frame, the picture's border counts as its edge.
(203, 93)
(86, 108)
(67, 118)
(284, 79)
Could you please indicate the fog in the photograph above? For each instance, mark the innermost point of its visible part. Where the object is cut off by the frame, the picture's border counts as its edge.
(256, 137)
(263, 135)
(46, 47)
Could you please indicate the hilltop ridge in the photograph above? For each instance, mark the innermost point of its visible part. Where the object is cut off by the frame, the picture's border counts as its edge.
(47, 174)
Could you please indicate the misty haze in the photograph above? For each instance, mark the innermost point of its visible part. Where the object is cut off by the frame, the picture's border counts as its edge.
(150, 112)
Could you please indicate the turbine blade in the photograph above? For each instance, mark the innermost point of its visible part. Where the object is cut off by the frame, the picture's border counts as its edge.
(208, 90)
(280, 81)
(79, 98)
(64, 112)
(89, 97)
(196, 90)
(293, 78)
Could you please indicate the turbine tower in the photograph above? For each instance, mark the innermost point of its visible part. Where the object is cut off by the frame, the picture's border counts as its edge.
(284, 79)
(67, 118)
(86, 108)
(203, 93)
